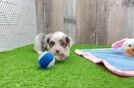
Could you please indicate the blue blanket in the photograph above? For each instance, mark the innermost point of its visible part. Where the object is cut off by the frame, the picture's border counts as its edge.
(113, 59)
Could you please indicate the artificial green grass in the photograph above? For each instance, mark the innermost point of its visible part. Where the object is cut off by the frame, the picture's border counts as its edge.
(19, 69)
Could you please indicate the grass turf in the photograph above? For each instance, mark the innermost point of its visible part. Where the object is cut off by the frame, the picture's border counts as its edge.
(19, 69)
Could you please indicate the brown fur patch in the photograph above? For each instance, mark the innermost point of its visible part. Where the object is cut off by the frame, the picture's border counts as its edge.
(130, 51)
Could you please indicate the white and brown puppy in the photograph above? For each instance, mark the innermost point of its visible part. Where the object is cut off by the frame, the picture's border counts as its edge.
(58, 43)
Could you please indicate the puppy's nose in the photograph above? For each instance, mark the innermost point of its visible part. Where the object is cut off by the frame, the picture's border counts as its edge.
(57, 51)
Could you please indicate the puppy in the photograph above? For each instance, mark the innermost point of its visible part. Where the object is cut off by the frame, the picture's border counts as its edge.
(58, 43)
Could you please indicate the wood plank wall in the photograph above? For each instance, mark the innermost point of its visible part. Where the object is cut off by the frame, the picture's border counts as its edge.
(70, 18)
(115, 21)
(40, 15)
(87, 21)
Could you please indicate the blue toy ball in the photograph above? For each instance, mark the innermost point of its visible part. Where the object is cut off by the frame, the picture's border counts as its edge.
(46, 60)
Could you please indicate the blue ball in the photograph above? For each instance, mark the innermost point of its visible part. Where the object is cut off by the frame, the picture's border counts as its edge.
(46, 60)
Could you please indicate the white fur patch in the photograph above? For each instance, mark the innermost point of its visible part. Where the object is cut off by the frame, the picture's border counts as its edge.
(127, 43)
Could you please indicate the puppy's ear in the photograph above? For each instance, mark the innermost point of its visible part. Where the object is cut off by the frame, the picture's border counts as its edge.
(69, 41)
(46, 41)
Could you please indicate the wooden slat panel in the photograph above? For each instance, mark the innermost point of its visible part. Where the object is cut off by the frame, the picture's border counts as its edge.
(121, 20)
(70, 18)
(101, 21)
(86, 16)
(115, 21)
(48, 7)
(40, 15)
(54, 13)
(128, 28)
(58, 15)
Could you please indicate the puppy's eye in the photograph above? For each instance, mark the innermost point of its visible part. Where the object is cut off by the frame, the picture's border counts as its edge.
(129, 45)
(63, 44)
(51, 43)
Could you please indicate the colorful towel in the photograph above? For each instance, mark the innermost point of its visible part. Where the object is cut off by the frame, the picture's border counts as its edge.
(113, 59)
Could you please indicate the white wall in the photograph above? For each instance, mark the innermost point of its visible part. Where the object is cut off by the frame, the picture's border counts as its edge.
(17, 23)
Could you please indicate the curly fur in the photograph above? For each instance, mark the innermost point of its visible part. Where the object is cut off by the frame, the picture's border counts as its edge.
(58, 43)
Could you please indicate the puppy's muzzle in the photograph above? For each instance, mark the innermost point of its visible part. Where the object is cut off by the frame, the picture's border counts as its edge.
(59, 52)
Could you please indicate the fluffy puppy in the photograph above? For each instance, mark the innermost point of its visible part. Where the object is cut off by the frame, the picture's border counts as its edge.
(58, 43)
